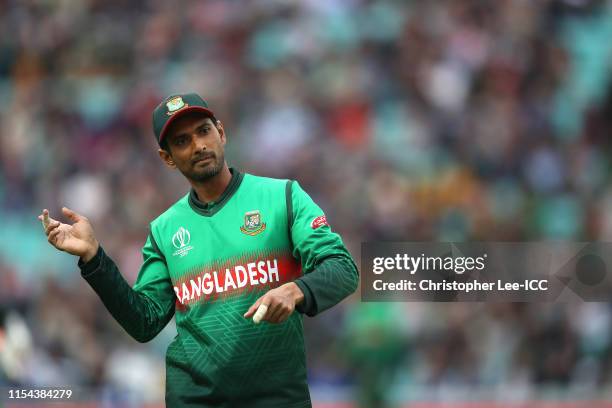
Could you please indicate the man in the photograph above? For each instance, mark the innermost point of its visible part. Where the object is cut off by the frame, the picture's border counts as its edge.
(233, 243)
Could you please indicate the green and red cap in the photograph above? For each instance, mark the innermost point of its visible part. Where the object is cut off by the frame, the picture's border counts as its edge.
(175, 106)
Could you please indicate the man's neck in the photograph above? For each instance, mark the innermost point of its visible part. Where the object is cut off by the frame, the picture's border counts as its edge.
(212, 188)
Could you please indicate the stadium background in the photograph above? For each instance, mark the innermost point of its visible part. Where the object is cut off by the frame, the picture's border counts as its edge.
(405, 120)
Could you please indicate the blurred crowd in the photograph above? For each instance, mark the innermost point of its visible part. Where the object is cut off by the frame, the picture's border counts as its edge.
(440, 120)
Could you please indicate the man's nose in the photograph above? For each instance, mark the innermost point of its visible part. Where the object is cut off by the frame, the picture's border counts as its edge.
(199, 142)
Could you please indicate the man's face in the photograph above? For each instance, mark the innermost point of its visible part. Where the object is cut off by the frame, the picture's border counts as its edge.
(195, 146)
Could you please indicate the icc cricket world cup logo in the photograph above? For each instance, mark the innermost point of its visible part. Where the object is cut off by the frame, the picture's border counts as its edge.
(181, 240)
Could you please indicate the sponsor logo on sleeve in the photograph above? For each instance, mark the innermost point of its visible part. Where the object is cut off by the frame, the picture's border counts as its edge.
(319, 222)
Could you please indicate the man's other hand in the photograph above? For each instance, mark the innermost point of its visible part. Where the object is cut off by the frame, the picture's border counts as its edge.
(76, 239)
(281, 303)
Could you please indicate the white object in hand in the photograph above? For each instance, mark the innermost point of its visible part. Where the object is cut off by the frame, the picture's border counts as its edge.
(260, 314)
(45, 220)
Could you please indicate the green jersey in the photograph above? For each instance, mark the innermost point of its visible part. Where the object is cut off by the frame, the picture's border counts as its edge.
(206, 264)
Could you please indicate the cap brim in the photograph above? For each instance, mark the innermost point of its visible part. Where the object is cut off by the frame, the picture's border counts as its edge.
(181, 113)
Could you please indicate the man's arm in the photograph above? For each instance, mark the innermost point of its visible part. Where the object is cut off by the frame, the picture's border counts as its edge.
(143, 311)
(330, 274)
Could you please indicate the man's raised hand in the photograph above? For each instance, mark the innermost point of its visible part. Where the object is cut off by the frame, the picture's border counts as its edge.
(76, 239)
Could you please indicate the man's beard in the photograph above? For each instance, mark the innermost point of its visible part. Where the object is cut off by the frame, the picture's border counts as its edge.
(208, 172)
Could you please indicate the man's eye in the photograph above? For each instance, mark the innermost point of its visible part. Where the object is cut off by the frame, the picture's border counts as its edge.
(179, 141)
(204, 129)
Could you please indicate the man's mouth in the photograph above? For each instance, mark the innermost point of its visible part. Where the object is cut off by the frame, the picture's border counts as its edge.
(203, 158)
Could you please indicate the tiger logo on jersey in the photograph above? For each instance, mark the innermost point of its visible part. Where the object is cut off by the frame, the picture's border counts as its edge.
(252, 223)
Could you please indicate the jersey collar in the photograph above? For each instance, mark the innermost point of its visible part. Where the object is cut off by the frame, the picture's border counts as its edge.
(208, 209)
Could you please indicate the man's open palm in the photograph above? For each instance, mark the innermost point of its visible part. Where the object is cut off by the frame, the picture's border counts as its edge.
(76, 239)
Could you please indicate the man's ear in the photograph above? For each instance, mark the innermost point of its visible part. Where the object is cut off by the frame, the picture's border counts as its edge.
(167, 158)
(219, 127)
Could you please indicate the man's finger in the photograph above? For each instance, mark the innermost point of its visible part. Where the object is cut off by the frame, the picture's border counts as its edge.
(253, 308)
(274, 313)
(45, 219)
(53, 236)
(52, 226)
(72, 216)
(282, 316)
(260, 314)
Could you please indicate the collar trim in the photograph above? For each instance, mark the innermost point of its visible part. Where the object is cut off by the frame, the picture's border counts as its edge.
(209, 209)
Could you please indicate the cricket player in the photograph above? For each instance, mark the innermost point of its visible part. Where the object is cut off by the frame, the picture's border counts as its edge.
(235, 250)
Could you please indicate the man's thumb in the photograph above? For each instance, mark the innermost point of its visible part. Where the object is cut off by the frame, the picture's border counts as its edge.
(253, 308)
(73, 216)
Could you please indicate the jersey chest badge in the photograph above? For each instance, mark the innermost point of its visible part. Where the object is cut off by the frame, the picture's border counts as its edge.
(253, 224)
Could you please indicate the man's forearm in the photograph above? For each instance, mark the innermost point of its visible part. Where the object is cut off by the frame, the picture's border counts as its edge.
(135, 312)
(331, 281)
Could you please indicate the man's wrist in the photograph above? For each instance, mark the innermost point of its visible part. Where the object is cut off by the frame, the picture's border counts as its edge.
(88, 256)
(296, 293)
